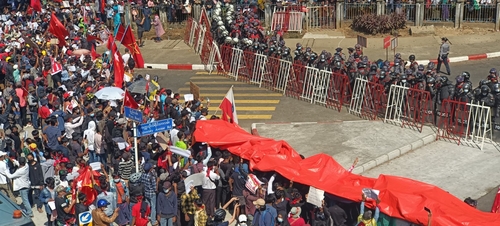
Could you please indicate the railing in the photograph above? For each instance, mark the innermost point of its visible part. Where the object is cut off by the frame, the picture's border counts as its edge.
(352, 10)
(320, 17)
(479, 13)
(170, 13)
(408, 9)
(442, 12)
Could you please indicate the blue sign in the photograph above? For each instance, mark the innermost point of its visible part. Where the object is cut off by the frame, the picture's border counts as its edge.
(154, 127)
(133, 114)
(85, 218)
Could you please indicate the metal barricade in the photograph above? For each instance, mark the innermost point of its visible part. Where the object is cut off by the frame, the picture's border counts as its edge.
(247, 66)
(396, 102)
(193, 34)
(285, 68)
(187, 31)
(288, 20)
(335, 95)
(357, 98)
(321, 87)
(259, 69)
(226, 55)
(479, 12)
(296, 81)
(215, 59)
(235, 65)
(206, 48)
(200, 40)
(468, 123)
(269, 76)
(204, 19)
(320, 17)
(451, 120)
(368, 99)
(416, 107)
(407, 107)
(310, 79)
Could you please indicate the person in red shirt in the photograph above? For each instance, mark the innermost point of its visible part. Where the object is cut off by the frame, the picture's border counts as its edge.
(43, 111)
(140, 212)
(22, 94)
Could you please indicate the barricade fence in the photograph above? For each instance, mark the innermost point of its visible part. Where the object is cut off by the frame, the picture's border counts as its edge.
(463, 123)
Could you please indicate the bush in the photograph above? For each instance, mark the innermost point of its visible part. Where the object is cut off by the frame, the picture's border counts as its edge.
(373, 24)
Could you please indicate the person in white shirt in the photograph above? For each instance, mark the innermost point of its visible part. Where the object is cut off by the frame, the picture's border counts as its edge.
(126, 57)
(22, 183)
(69, 125)
(209, 185)
(4, 187)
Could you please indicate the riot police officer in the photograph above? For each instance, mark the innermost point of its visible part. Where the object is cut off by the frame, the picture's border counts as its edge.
(485, 96)
(446, 89)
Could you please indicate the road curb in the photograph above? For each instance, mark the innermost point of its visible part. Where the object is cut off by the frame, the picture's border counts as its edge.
(202, 67)
(394, 154)
(255, 132)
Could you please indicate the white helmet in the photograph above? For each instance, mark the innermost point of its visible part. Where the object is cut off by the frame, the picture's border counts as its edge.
(249, 42)
(228, 40)
(225, 33)
(235, 40)
(223, 28)
(218, 5)
(220, 23)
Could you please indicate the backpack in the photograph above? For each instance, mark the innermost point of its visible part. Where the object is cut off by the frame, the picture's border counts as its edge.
(131, 63)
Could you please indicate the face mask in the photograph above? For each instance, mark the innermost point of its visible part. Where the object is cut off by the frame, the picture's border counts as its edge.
(280, 220)
(116, 180)
(166, 190)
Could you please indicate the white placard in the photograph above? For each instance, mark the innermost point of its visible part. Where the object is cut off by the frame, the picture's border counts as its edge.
(194, 180)
(96, 166)
(66, 4)
(188, 97)
(315, 196)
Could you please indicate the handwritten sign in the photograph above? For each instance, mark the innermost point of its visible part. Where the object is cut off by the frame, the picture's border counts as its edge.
(193, 180)
(195, 90)
(315, 196)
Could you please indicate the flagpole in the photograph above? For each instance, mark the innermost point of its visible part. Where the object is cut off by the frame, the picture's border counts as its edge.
(134, 128)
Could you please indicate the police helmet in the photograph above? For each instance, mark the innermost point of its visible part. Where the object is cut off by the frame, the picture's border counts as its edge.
(496, 88)
(485, 89)
(466, 75)
(412, 57)
(431, 80)
(467, 87)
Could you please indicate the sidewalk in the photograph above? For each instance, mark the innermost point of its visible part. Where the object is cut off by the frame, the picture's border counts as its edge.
(175, 54)
(424, 48)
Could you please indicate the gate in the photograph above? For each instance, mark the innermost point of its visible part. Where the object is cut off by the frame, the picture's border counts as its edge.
(322, 86)
(270, 73)
(407, 107)
(357, 97)
(296, 81)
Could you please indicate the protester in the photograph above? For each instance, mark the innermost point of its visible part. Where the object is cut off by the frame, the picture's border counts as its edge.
(99, 216)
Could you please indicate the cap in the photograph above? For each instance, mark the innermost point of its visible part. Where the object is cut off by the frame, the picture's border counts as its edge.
(148, 166)
(259, 202)
(60, 188)
(35, 133)
(126, 155)
(32, 146)
(3, 153)
(167, 184)
(122, 121)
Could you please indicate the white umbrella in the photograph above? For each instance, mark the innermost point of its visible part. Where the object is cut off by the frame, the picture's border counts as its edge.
(110, 93)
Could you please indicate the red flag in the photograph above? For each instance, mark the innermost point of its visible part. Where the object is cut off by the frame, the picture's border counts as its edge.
(36, 5)
(129, 41)
(128, 101)
(93, 53)
(103, 6)
(120, 33)
(495, 208)
(58, 29)
(84, 184)
(111, 41)
(228, 108)
(118, 67)
(91, 38)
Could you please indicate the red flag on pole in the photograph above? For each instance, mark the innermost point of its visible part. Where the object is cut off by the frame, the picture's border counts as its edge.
(111, 41)
(228, 108)
(92, 37)
(495, 208)
(36, 5)
(57, 29)
(93, 53)
(128, 101)
(120, 33)
(128, 40)
(83, 183)
(118, 67)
